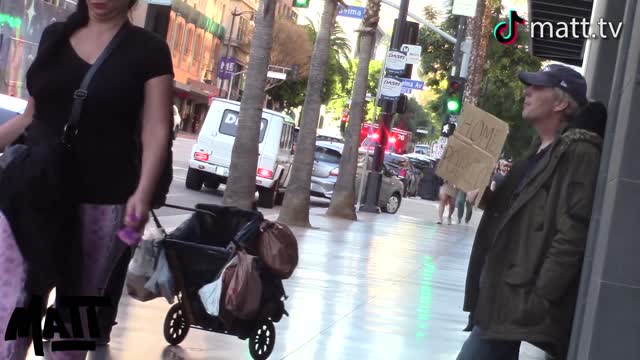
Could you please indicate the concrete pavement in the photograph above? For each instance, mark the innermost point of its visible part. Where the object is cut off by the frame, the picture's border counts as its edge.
(384, 287)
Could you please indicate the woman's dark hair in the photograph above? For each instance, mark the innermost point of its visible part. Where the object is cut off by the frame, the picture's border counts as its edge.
(57, 33)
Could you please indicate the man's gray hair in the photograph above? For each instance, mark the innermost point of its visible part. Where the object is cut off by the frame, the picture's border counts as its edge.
(572, 107)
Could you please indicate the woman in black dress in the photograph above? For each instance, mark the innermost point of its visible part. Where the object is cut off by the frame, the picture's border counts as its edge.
(119, 151)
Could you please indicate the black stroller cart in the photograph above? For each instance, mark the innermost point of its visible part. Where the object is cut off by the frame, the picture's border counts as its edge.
(197, 251)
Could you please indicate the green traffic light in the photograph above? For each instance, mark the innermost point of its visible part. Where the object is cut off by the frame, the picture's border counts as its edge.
(301, 3)
(453, 105)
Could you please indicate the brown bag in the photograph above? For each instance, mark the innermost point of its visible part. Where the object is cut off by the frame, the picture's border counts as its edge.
(244, 293)
(278, 248)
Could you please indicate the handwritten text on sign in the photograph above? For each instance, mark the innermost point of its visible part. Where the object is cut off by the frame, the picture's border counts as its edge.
(483, 129)
(473, 150)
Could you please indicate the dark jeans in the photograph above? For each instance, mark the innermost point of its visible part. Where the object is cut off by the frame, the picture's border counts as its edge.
(461, 201)
(476, 348)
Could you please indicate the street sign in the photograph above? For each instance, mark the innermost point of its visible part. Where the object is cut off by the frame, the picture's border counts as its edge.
(391, 89)
(464, 7)
(277, 75)
(413, 53)
(396, 62)
(355, 12)
(159, 2)
(406, 90)
(413, 84)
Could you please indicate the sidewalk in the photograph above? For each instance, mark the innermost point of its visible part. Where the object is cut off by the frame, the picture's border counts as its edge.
(383, 287)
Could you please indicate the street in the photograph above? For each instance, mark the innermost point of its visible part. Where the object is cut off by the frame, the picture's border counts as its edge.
(181, 196)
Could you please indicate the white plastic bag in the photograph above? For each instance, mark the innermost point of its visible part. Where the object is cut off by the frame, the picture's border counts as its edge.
(211, 294)
(161, 282)
(142, 266)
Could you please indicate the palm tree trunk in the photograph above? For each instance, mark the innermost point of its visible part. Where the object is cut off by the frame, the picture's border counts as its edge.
(295, 209)
(344, 193)
(479, 29)
(241, 185)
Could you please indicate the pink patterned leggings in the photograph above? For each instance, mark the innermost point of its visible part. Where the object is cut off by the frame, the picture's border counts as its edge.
(101, 250)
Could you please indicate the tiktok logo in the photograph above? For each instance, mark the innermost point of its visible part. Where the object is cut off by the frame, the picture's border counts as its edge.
(512, 25)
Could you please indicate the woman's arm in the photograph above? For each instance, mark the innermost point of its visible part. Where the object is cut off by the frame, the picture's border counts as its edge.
(156, 129)
(12, 129)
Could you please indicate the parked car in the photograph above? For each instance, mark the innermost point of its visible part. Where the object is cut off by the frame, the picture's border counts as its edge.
(327, 167)
(404, 169)
(211, 155)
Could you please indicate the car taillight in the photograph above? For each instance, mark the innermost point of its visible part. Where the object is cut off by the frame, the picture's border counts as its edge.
(200, 156)
(335, 172)
(264, 173)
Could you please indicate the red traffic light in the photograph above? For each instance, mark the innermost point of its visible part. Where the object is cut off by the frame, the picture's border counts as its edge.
(344, 118)
(455, 86)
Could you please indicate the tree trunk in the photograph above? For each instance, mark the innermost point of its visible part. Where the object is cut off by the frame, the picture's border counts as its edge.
(479, 29)
(241, 185)
(295, 209)
(344, 194)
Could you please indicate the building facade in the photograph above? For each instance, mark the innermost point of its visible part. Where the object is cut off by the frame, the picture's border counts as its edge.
(21, 26)
(235, 55)
(194, 36)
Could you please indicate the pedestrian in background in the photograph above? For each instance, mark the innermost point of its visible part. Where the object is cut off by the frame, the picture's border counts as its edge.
(461, 204)
(118, 152)
(498, 178)
(447, 198)
(524, 272)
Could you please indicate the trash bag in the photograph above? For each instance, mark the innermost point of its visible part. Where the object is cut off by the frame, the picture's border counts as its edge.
(142, 266)
(244, 295)
(278, 248)
(211, 294)
(161, 282)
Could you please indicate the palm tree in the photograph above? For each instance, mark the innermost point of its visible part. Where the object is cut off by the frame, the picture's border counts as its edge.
(241, 185)
(344, 194)
(480, 29)
(339, 55)
(295, 210)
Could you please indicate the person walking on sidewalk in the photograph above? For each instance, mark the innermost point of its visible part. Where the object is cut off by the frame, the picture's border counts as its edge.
(461, 203)
(118, 153)
(447, 198)
(524, 270)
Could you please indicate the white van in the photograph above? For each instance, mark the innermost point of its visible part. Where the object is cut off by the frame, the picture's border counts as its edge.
(211, 155)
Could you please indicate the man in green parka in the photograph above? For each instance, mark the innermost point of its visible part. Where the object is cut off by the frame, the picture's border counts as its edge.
(524, 271)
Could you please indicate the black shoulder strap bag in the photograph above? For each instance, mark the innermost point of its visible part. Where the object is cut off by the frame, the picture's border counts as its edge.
(36, 192)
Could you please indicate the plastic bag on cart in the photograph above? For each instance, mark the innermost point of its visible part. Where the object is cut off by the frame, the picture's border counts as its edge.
(244, 295)
(211, 294)
(278, 248)
(142, 266)
(161, 282)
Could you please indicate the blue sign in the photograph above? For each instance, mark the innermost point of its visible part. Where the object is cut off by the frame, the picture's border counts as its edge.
(412, 84)
(355, 12)
(226, 67)
(406, 90)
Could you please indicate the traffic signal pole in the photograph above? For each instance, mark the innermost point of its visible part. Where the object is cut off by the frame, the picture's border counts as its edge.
(374, 180)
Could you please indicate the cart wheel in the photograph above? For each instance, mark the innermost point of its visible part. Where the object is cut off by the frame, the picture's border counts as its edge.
(262, 341)
(176, 326)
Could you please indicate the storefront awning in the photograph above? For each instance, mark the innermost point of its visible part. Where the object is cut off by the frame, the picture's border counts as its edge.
(567, 50)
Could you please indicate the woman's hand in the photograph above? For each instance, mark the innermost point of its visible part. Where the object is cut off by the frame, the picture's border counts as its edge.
(472, 195)
(137, 213)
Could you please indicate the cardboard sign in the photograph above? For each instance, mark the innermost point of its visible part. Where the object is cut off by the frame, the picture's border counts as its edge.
(473, 150)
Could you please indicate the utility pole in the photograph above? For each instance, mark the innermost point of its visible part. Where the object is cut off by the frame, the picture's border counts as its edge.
(374, 180)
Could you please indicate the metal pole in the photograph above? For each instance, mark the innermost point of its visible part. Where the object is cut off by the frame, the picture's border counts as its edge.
(422, 21)
(457, 52)
(367, 168)
(234, 13)
(374, 180)
(466, 55)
